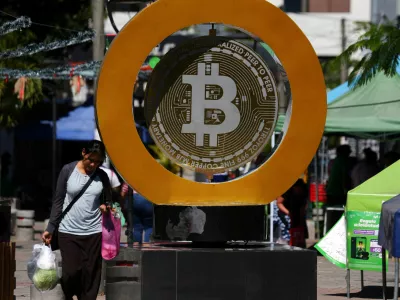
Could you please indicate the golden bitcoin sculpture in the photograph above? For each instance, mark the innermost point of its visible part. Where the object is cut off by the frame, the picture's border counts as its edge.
(121, 66)
(211, 104)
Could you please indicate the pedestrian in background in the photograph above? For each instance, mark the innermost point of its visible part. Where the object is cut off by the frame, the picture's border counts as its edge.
(114, 180)
(142, 215)
(339, 182)
(366, 168)
(291, 215)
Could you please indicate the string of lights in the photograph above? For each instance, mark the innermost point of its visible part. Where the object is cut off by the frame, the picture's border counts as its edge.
(88, 70)
(43, 25)
(21, 22)
(78, 38)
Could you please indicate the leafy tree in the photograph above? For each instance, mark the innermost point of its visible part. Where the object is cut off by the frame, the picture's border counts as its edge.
(381, 42)
(11, 107)
(65, 18)
(331, 69)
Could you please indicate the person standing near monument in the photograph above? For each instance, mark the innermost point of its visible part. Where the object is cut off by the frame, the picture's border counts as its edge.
(114, 181)
(142, 215)
(292, 214)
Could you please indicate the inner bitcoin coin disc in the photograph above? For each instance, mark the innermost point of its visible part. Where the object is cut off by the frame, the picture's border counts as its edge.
(211, 104)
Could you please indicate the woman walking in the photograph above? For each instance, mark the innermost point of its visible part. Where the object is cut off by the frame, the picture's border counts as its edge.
(83, 193)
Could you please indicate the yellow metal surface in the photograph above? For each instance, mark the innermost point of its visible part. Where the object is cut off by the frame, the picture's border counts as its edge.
(121, 66)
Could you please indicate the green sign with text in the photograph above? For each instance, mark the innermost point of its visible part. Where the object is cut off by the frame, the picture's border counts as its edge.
(363, 251)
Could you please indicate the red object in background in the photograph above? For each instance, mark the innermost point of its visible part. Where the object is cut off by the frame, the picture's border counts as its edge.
(321, 193)
(145, 68)
(124, 264)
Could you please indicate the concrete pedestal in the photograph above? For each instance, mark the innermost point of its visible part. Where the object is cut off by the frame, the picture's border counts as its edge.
(25, 225)
(255, 271)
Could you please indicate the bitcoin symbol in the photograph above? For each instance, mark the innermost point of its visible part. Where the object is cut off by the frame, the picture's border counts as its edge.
(211, 104)
(200, 103)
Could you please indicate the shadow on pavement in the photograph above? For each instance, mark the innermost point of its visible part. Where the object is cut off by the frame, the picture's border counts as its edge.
(313, 248)
(369, 292)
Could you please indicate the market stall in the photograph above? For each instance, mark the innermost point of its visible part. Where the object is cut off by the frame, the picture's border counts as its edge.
(353, 242)
(369, 111)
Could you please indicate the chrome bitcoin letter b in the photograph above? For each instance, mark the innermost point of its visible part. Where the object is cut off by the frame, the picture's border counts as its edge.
(201, 102)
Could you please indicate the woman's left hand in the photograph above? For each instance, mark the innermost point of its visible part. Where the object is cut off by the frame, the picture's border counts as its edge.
(103, 208)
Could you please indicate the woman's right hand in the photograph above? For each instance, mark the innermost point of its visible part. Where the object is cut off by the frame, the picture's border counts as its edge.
(46, 237)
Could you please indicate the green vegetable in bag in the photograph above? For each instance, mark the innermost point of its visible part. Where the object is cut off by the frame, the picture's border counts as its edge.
(45, 280)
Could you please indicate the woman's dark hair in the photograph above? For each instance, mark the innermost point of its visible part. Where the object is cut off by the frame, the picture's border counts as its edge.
(95, 147)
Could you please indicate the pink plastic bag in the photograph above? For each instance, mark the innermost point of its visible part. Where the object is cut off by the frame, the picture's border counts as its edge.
(111, 236)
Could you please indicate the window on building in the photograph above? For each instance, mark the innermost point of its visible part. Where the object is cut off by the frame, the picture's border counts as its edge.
(293, 5)
(335, 6)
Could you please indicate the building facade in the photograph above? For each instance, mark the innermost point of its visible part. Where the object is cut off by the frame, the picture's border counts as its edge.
(321, 21)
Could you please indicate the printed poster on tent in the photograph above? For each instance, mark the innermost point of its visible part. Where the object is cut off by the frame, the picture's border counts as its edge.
(363, 251)
(333, 245)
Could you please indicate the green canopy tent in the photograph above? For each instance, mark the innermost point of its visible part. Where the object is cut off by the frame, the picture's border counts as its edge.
(372, 110)
(370, 195)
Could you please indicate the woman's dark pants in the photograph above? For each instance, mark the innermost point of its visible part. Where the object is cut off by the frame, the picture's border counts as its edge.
(81, 265)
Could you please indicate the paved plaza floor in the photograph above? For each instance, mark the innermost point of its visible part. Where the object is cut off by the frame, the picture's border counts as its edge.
(331, 279)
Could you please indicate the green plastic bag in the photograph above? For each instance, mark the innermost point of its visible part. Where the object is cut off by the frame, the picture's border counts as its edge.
(117, 207)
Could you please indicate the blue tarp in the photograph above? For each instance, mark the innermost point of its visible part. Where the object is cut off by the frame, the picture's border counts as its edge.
(338, 92)
(80, 125)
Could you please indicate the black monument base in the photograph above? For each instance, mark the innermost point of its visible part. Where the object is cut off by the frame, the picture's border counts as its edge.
(210, 224)
(253, 271)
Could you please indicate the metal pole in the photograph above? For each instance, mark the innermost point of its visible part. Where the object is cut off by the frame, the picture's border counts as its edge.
(304, 6)
(348, 283)
(98, 54)
(322, 158)
(343, 67)
(54, 146)
(98, 26)
(271, 205)
(129, 230)
(0, 176)
(362, 280)
(316, 194)
(384, 273)
(396, 279)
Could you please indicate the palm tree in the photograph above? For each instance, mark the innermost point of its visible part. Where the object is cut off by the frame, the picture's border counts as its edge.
(381, 42)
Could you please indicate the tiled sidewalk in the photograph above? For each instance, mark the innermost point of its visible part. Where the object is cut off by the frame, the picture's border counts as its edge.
(332, 283)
